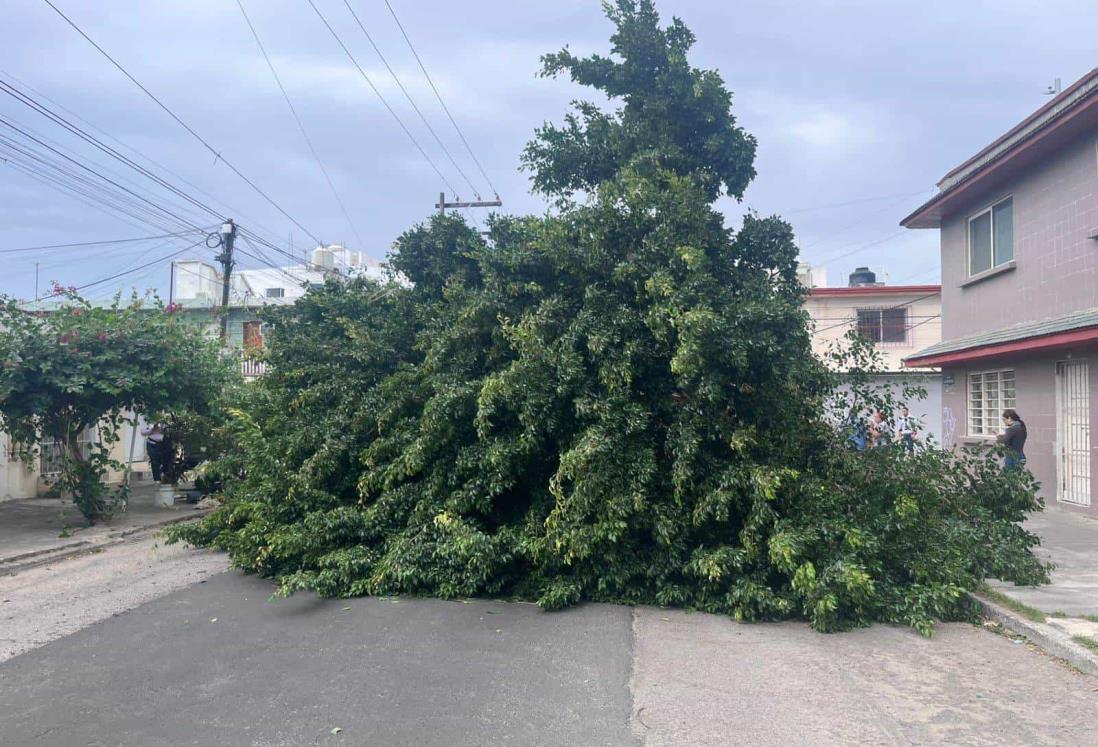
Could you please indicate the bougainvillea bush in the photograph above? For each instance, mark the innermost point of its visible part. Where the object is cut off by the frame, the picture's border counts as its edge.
(84, 367)
(615, 402)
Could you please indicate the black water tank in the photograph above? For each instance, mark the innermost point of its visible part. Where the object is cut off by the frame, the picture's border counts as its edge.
(862, 276)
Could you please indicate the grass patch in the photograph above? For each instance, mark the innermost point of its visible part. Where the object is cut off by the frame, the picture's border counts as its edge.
(1030, 613)
(1086, 641)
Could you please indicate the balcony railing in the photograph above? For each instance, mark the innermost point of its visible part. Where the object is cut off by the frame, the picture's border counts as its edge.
(252, 369)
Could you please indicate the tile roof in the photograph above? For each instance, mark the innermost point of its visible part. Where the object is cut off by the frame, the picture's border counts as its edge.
(1054, 325)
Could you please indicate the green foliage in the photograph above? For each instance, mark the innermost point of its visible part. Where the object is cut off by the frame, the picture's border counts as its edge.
(673, 116)
(82, 366)
(617, 402)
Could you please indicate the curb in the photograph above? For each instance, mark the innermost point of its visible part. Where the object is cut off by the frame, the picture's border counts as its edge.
(17, 563)
(1052, 640)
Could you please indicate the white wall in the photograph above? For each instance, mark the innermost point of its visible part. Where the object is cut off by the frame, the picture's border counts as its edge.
(835, 315)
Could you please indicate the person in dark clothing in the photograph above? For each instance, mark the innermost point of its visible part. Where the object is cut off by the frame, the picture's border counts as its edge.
(1014, 439)
(156, 448)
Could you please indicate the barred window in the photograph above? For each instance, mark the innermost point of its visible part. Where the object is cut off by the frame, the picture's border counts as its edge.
(887, 325)
(989, 393)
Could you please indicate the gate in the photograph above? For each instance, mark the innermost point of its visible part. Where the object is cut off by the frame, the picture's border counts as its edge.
(1073, 432)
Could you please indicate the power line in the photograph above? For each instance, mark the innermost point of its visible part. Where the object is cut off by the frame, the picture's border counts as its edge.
(886, 308)
(123, 273)
(227, 210)
(92, 171)
(91, 243)
(378, 93)
(300, 125)
(852, 202)
(438, 96)
(95, 142)
(411, 101)
(61, 187)
(41, 168)
(183, 124)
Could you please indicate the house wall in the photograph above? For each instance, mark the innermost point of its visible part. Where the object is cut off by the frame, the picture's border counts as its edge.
(1035, 393)
(1055, 208)
(18, 479)
(829, 313)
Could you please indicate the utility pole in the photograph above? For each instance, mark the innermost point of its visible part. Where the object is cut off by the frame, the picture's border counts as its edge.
(36, 282)
(228, 238)
(442, 204)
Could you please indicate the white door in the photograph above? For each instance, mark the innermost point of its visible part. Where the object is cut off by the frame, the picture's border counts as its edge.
(1073, 432)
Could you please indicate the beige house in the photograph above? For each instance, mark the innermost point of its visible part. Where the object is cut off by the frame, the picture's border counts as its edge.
(22, 479)
(898, 319)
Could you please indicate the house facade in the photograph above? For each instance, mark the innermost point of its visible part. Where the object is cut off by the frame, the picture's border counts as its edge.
(899, 320)
(1019, 252)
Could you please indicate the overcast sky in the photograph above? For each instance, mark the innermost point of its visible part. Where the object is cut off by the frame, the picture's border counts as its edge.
(858, 107)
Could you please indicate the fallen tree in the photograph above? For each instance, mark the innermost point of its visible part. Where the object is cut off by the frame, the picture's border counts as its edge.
(615, 402)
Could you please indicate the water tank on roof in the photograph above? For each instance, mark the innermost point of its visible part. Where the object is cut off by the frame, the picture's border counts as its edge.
(862, 276)
(323, 258)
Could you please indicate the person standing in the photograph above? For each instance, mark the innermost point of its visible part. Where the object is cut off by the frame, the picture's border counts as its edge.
(907, 429)
(1014, 439)
(155, 448)
(878, 430)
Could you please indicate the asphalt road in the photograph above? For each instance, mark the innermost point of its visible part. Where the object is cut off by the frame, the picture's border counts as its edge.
(218, 663)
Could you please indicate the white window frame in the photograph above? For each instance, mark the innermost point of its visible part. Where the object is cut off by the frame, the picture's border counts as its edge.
(906, 342)
(991, 421)
(279, 292)
(989, 210)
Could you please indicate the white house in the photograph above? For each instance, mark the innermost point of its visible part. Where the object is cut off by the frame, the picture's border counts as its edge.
(199, 279)
(898, 319)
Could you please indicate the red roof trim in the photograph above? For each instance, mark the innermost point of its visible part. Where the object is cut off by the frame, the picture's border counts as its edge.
(1060, 339)
(878, 290)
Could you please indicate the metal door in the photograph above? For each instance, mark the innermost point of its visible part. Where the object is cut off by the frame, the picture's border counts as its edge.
(1073, 432)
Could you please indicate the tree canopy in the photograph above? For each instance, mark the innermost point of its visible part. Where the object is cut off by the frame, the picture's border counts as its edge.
(84, 366)
(617, 401)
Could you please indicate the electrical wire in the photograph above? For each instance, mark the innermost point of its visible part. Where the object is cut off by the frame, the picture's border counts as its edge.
(92, 171)
(183, 124)
(411, 101)
(381, 97)
(886, 308)
(227, 209)
(97, 200)
(300, 124)
(438, 96)
(91, 243)
(123, 273)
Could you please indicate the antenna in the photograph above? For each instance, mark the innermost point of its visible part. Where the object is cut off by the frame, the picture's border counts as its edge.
(1054, 89)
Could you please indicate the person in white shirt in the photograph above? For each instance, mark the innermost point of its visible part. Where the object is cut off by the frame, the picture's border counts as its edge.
(907, 429)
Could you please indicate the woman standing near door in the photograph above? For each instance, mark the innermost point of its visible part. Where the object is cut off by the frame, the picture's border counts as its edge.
(1014, 438)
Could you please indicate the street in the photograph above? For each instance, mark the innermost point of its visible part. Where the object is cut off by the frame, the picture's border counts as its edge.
(217, 662)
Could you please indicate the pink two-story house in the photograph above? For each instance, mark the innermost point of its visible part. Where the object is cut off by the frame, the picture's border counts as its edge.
(1019, 253)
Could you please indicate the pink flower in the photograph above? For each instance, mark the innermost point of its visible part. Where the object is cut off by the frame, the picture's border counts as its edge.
(64, 339)
(102, 335)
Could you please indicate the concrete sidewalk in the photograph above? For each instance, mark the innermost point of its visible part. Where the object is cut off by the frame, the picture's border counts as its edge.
(1065, 612)
(36, 530)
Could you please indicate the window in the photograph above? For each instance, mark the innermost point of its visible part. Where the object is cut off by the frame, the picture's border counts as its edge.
(989, 394)
(887, 325)
(991, 237)
(276, 292)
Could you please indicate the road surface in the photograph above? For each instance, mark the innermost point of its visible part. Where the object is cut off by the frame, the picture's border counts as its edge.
(219, 663)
